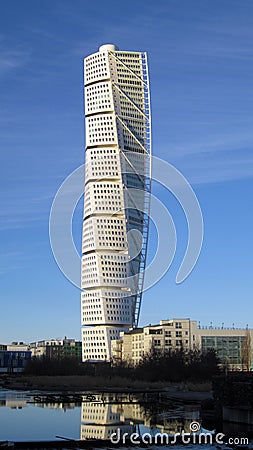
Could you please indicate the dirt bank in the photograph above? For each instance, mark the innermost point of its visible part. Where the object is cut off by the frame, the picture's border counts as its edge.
(184, 391)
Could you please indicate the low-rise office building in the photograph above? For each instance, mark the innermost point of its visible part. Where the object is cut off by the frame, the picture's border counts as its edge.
(234, 346)
(13, 361)
(57, 349)
(14, 357)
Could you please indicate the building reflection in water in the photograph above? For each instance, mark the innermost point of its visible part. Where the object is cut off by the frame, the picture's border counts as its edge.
(101, 420)
(104, 416)
(13, 400)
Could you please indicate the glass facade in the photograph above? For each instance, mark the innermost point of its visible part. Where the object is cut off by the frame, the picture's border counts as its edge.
(228, 348)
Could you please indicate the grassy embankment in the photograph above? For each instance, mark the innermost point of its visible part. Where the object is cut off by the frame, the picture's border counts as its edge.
(87, 382)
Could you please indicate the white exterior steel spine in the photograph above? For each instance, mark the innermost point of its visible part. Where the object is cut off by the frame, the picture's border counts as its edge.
(118, 150)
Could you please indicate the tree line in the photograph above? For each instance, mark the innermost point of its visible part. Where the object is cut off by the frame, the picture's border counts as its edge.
(173, 365)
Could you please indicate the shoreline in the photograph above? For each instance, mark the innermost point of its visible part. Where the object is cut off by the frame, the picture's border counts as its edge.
(82, 383)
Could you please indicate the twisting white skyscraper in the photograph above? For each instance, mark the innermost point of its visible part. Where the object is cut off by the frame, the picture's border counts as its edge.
(116, 197)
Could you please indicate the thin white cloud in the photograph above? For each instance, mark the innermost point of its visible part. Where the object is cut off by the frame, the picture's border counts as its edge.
(22, 209)
(12, 57)
(232, 141)
(223, 158)
(11, 261)
(43, 33)
(30, 205)
(219, 51)
(219, 170)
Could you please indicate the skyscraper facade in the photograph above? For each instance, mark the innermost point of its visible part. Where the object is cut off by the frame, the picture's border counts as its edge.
(116, 195)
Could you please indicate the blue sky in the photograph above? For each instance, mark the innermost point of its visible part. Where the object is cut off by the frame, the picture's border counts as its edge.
(201, 69)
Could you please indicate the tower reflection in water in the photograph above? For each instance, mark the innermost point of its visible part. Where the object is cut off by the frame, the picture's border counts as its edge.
(98, 416)
(106, 415)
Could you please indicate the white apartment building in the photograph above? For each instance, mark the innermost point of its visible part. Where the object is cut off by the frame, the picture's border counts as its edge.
(229, 343)
(39, 348)
(173, 333)
(116, 200)
(55, 348)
